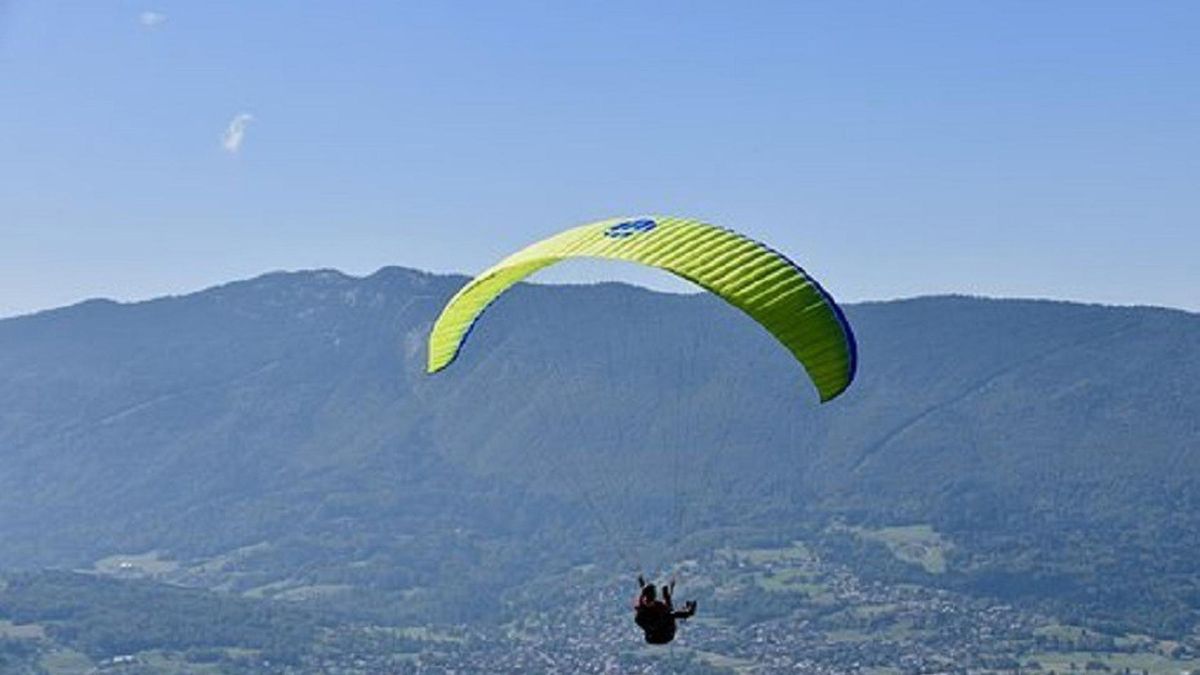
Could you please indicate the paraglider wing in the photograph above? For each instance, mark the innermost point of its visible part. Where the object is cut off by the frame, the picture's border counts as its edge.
(761, 282)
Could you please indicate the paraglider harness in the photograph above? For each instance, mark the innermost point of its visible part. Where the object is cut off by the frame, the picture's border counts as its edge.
(657, 617)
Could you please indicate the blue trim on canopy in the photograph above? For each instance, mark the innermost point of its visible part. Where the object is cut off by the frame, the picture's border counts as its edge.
(847, 331)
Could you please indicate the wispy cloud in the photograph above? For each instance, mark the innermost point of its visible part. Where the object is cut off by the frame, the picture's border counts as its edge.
(152, 20)
(235, 133)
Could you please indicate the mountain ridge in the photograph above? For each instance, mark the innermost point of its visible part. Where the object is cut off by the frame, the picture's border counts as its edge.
(403, 271)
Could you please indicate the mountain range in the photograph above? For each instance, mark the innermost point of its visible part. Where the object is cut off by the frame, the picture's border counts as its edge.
(279, 437)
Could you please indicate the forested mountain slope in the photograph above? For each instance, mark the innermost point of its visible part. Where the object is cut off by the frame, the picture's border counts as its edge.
(281, 430)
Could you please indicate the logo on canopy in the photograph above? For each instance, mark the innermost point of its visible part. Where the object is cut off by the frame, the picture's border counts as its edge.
(630, 228)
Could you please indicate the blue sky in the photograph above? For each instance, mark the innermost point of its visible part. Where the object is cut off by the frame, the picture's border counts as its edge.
(1034, 149)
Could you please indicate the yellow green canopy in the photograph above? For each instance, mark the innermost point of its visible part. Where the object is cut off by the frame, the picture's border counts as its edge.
(761, 282)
